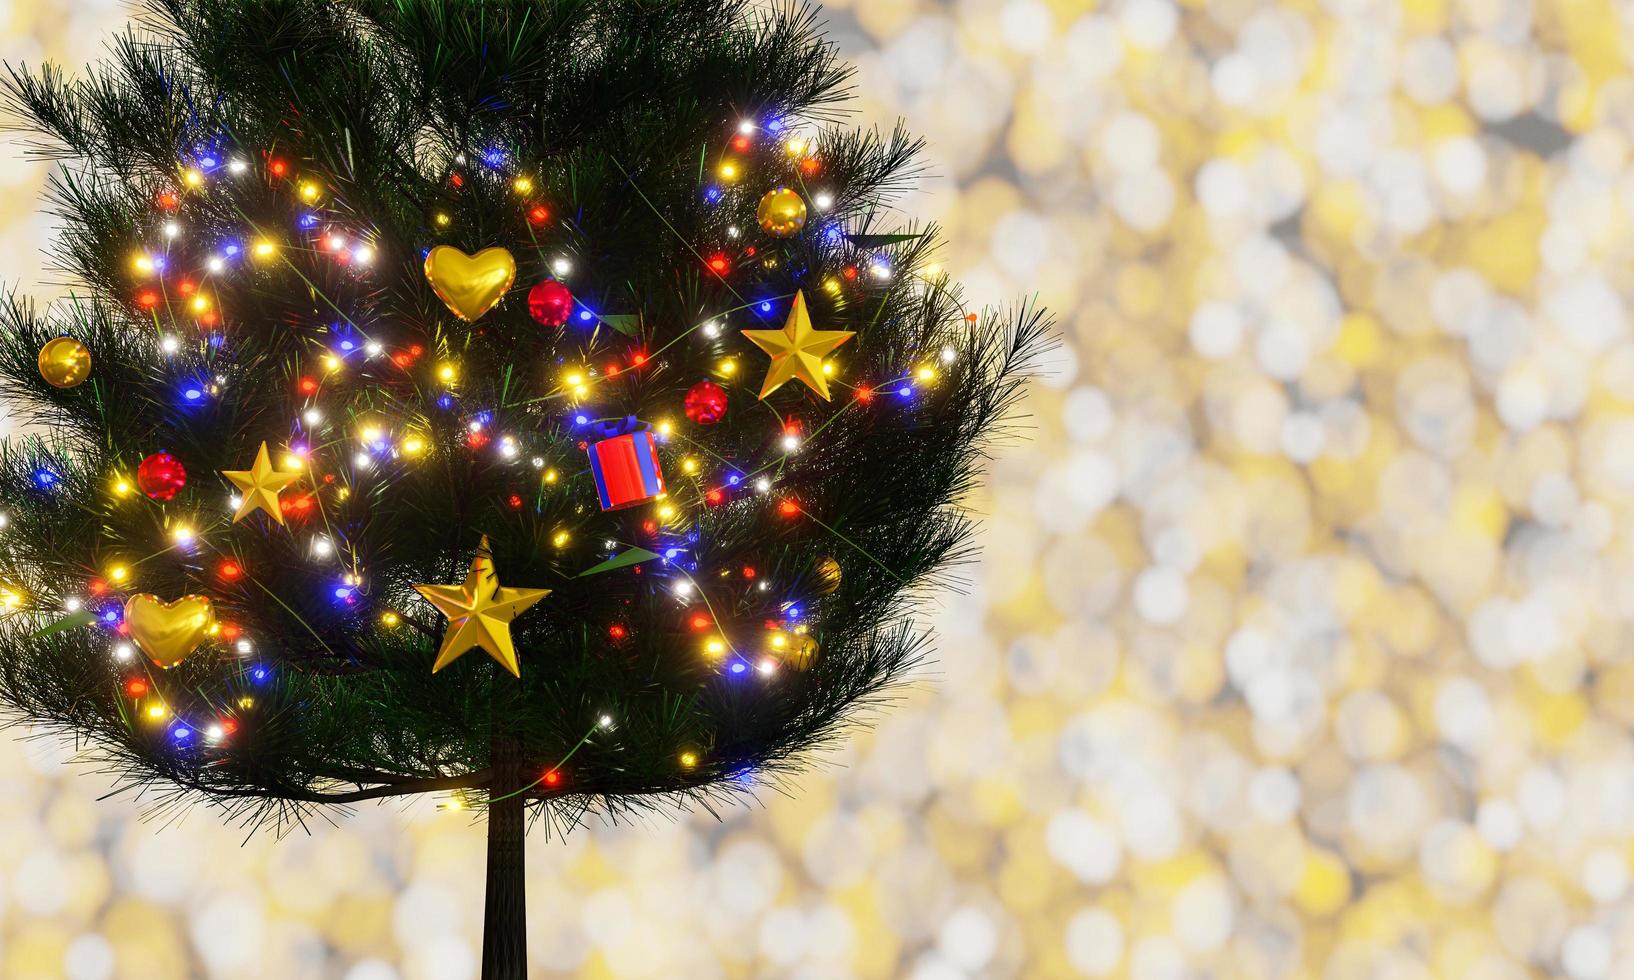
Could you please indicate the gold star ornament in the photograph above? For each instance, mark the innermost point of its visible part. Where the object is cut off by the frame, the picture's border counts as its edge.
(797, 350)
(479, 613)
(258, 487)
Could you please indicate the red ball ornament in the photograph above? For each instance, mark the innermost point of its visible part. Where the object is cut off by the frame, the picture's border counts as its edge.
(161, 476)
(550, 302)
(706, 403)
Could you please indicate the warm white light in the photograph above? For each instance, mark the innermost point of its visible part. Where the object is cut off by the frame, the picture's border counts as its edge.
(172, 229)
(245, 647)
(607, 721)
(712, 329)
(363, 255)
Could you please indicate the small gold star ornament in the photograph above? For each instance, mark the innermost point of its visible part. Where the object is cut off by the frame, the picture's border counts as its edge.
(258, 487)
(479, 613)
(797, 350)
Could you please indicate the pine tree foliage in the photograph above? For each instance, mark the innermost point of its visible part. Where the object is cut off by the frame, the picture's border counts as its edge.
(404, 124)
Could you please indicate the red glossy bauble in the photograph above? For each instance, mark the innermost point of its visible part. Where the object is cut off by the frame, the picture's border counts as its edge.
(161, 476)
(550, 303)
(706, 403)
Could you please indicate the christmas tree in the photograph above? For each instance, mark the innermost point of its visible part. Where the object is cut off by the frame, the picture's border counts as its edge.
(532, 403)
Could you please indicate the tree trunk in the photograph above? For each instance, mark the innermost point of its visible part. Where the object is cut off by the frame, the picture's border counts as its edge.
(504, 922)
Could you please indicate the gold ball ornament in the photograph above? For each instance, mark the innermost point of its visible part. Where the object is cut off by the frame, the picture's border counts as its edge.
(829, 575)
(168, 631)
(64, 362)
(804, 653)
(782, 212)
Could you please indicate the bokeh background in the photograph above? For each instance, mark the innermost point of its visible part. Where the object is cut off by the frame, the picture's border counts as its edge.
(1301, 644)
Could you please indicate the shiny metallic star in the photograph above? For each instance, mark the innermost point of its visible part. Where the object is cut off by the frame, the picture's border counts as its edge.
(479, 613)
(259, 486)
(797, 350)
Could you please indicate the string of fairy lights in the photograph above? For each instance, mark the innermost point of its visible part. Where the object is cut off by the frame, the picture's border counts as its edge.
(175, 286)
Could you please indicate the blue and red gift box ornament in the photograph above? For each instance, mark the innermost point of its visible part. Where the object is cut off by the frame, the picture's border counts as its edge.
(624, 464)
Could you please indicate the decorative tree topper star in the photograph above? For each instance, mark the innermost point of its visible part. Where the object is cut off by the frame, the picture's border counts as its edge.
(797, 350)
(479, 613)
(259, 486)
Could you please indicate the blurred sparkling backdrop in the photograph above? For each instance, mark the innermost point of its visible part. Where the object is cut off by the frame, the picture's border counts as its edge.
(1302, 642)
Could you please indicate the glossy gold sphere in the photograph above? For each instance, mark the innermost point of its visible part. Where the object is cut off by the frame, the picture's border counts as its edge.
(782, 212)
(829, 575)
(64, 362)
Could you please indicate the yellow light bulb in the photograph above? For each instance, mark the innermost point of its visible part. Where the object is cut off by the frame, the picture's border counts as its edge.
(795, 147)
(831, 284)
(331, 362)
(522, 185)
(118, 573)
(689, 759)
(443, 220)
(727, 367)
(265, 249)
(715, 647)
(292, 462)
(390, 619)
(573, 379)
(414, 445)
(665, 427)
(729, 170)
(370, 433)
(10, 598)
(690, 464)
(200, 304)
(665, 512)
(157, 711)
(779, 640)
(551, 476)
(560, 539)
(142, 263)
(925, 373)
(309, 191)
(193, 178)
(246, 702)
(446, 373)
(828, 367)
(121, 487)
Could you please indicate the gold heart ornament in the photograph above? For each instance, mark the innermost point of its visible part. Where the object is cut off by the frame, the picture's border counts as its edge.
(470, 284)
(168, 631)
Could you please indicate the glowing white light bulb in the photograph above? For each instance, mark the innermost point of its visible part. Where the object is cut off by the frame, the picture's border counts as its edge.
(561, 266)
(214, 733)
(791, 442)
(322, 547)
(311, 416)
(949, 355)
(683, 588)
(606, 721)
(244, 646)
(746, 127)
(712, 329)
(172, 229)
(362, 461)
(122, 651)
(216, 263)
(762, 485)
(237, 166)
(733, 231)
(373, 348)
(169, 344)
(363, 255)
(824, 201)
